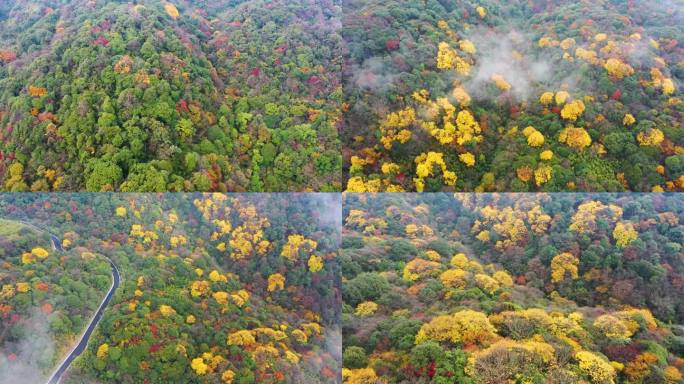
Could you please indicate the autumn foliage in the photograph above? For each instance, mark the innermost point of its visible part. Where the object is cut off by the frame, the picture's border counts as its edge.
(510, 288)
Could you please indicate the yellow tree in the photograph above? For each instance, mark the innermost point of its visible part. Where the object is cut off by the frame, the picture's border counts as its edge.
(460, 260)
(529, 350)
(315, 263)
(486, 283)
(419, 268)
(612, 327)
(216, 277)
(448, 58)
(199, 366)
(467, 46)
(7, 291)
(199, 288)
(171, 10)
(500, 82)
(23, 287)
(425, 164)
(467, 158)
(651, 137)
(167, 310)
(584, 219)
(454, 278)
(577, 138)
(460, 94)
(445, 56)
(297, 244)
(366, 308)
(562, 264)
(360, 376)
(433, 255)
(568, 43)
(546, 98)
(221, 297)
(536, 139)
(561, 97)
(356, 218)
(395, 127)
(467, 327)
(276, 282)
(668, 86)
(507, 223)
(465, 129)
(617, 69)
(503, 278)
(228, 376)
(242, 338)
(571, 111)
(27, 258)
(539, 221)
(240, 297)
(624, 233)
(102, 350)
(595, 367)
(39, 252)
(628, 119)
(543, 175)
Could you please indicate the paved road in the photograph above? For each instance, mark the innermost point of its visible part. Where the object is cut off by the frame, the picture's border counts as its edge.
(83, 342)
(56, 244)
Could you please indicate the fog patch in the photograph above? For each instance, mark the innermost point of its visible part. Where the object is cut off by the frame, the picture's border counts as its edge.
(330, 213)
(373, 75)
(506, 54)
(24, 361)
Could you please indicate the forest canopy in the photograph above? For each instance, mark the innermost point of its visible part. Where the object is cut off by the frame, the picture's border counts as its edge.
(214, 287)
(513, 95)
(154, 96)
(513, 288)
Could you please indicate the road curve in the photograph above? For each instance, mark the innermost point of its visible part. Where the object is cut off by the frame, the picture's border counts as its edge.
(56, 244)
(83, 342)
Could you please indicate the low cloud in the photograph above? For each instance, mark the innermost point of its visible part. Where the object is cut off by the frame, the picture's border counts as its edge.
(23, 361)
(330, 214)
(373, 75)
(506, 54)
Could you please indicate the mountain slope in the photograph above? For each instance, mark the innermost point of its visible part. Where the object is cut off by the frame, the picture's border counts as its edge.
(214, 288)
(152, 96)
(513, 96)
(509, 288)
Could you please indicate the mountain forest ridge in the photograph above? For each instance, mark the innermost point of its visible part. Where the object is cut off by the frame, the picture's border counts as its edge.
(238, 289)
(514, 96)
(357, 95)
(511, 288)
(150, 96)
(532, 126)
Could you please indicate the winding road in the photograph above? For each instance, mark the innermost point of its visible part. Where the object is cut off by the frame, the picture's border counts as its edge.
(83, 341)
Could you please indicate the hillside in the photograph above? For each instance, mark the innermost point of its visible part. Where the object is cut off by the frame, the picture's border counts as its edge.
(506, 288)
(214, 288)
(513, 95)
(143, 96)
(46, 300)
